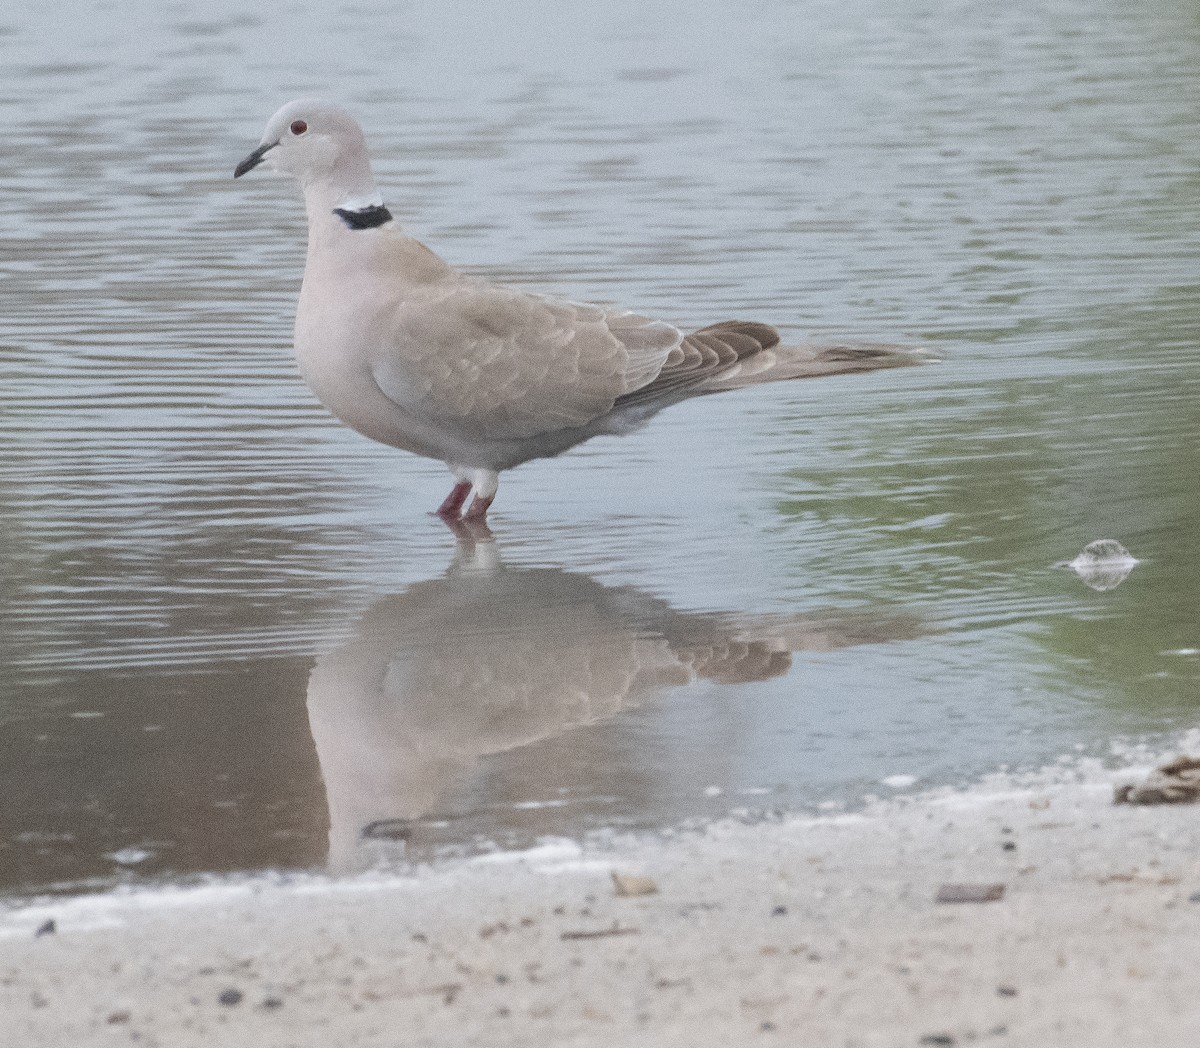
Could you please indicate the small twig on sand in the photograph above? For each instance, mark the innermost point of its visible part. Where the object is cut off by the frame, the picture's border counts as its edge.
(601, 933)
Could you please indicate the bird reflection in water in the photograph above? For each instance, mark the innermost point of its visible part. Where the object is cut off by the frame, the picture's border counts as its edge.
(491, 658)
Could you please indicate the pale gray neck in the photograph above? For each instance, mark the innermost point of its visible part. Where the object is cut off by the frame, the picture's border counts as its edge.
(349, 186)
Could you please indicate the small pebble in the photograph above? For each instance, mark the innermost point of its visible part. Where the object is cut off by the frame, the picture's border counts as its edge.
(1009, 846)
(1194, 897)
(779, 911)
(767, 1027)
(1004, 990)
(970, 893)
(937, 1038)
(230, 997)
(49, 928)
(633, 884)
(271, 1003)
(115, 1018)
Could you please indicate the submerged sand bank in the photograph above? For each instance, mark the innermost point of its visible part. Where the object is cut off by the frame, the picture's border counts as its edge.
(811, 932)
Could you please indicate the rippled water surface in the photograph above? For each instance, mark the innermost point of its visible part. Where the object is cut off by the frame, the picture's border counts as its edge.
(232, 639)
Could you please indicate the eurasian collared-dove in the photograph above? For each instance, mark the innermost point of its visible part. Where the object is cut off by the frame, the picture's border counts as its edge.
(409, 352)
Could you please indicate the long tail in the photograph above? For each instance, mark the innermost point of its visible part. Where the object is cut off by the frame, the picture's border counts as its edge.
(740, 353)
(762, 358)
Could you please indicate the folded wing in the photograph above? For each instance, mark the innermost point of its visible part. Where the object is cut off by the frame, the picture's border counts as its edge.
(500, 364)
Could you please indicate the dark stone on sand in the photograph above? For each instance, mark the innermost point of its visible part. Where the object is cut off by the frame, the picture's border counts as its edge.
(970, 893)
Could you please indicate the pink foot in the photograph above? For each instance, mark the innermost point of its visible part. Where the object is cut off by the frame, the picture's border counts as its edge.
(452, 507)
(478, 509)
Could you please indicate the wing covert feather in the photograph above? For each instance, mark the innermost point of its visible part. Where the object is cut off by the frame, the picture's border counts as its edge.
(504, 364)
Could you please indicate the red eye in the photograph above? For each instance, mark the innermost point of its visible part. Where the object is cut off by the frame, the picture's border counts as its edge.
(299, 127)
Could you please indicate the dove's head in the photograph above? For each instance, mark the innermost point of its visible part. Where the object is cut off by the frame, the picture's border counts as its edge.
(318, 143)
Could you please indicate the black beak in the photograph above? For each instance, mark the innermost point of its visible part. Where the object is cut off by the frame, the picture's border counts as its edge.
(253, 160)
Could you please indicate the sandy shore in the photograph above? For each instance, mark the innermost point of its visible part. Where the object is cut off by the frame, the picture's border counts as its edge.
(810, 932)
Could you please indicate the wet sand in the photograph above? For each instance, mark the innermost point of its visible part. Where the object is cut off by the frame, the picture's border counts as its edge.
(811, 931)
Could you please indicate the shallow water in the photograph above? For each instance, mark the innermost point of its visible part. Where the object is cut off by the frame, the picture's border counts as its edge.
(233, 640)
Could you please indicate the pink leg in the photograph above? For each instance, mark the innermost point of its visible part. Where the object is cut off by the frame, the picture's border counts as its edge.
(450, 509)
(478, 509)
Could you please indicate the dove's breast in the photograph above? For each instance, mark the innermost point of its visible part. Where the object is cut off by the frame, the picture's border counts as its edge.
(338, 337)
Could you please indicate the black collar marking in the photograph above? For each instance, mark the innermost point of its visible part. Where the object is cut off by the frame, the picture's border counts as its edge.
(367, 218)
